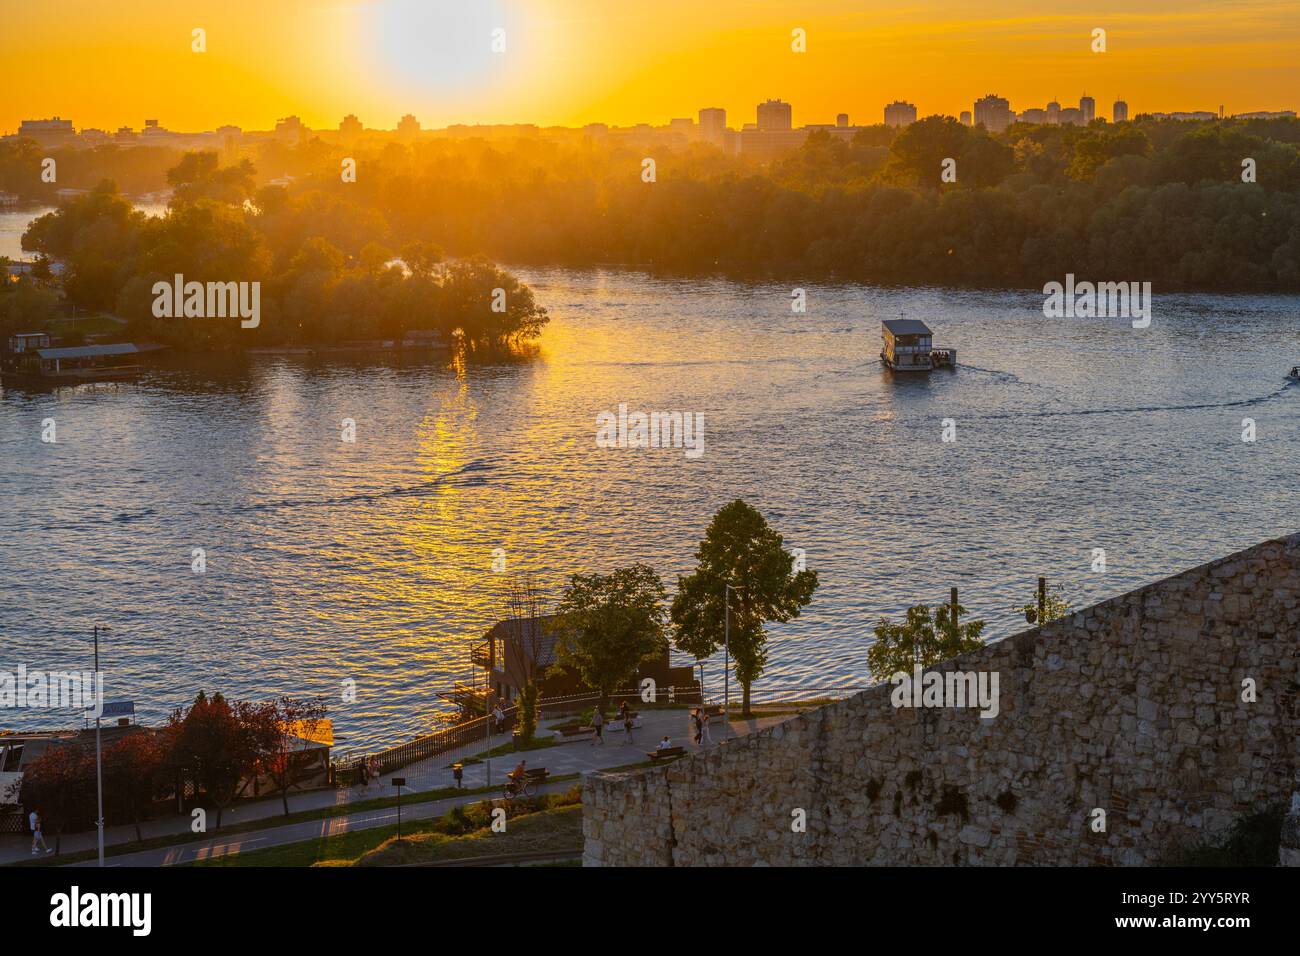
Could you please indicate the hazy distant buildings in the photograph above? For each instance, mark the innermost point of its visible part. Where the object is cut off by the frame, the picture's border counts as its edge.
(1266, 114)
(287, 130)
(1054, 114)
(1119, 112)
(408, 127)
(48, 132)
(774, 115)
(965, 118)
(993, 113)
(684, 126)
(1199, 115)
(899, 113)
(350, 129)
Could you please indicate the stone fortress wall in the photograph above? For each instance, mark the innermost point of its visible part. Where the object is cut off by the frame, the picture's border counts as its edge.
(1140, 707)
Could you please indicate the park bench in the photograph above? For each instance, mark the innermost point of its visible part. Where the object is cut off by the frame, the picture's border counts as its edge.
(668, 753)
(574, 730)
(537, 774)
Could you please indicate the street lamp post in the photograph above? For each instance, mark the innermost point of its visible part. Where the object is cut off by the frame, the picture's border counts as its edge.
(726, 651)
(99, 766)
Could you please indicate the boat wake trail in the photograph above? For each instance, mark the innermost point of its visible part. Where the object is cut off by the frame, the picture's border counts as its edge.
(996, 373)
(466, 476)
(1240, 403)
(468, 471)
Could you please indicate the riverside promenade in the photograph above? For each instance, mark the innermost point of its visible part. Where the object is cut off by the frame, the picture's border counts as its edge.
(434, 773)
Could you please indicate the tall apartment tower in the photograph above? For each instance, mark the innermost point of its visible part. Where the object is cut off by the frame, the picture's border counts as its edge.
(713, 125)
(993, 112)
(899, 113)
(1119, 113)
(1088, 107)
(774, 115)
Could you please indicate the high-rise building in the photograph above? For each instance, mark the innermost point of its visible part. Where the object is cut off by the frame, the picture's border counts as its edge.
(408, 127)
(713, 122)
(993, 113)
(899, 113)
(842, 120)
(1088, 107)
(774, 115)
(350, 128)
(1053, 112)
(289, 129)
(1119, 112)
(965, 118)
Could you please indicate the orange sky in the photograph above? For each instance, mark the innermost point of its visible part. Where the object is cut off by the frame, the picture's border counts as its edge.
(108, 63)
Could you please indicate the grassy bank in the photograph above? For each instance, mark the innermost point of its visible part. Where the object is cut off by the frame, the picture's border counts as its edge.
(409, 798)
(465, 830)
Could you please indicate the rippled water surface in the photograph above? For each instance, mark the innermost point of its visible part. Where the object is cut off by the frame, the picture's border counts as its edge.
(372, 560)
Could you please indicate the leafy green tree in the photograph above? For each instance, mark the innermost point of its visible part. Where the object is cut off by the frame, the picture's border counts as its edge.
(199, 176)
(918, 152)
(467, 297)
(1056, 606)
(926, 638)
(607, 625)
(26, 305)
(1098, 145)
(740, 549)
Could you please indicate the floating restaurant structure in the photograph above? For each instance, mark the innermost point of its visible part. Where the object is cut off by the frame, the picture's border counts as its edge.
(29, 360)
(908, 347)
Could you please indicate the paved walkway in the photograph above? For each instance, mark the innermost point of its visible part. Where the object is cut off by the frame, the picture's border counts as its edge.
(431, 774)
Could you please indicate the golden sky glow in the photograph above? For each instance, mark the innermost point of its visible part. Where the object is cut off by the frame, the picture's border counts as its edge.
(570, 62)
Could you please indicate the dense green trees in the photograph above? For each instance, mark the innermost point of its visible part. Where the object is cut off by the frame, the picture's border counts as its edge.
(325, 276)
(1156, 200)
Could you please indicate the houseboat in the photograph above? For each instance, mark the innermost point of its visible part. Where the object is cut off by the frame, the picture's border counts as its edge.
(908, 347)
(29, 360)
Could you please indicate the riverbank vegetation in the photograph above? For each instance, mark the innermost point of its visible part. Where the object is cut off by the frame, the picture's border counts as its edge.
(216, 747)
(323, 271)
(352, 258)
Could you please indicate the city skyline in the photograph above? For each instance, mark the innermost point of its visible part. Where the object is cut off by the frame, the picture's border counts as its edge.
(572, 62)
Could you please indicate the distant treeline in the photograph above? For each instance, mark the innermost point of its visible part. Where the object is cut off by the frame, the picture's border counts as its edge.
(1150, 200)
(1161, 201)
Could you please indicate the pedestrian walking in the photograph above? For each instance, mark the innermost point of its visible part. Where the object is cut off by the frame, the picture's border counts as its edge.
(698, 725)
(627, 725)
(598, 725)
(705, 737)
(38, 834)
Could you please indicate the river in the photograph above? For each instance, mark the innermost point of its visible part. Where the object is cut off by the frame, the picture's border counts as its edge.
(373, 561)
